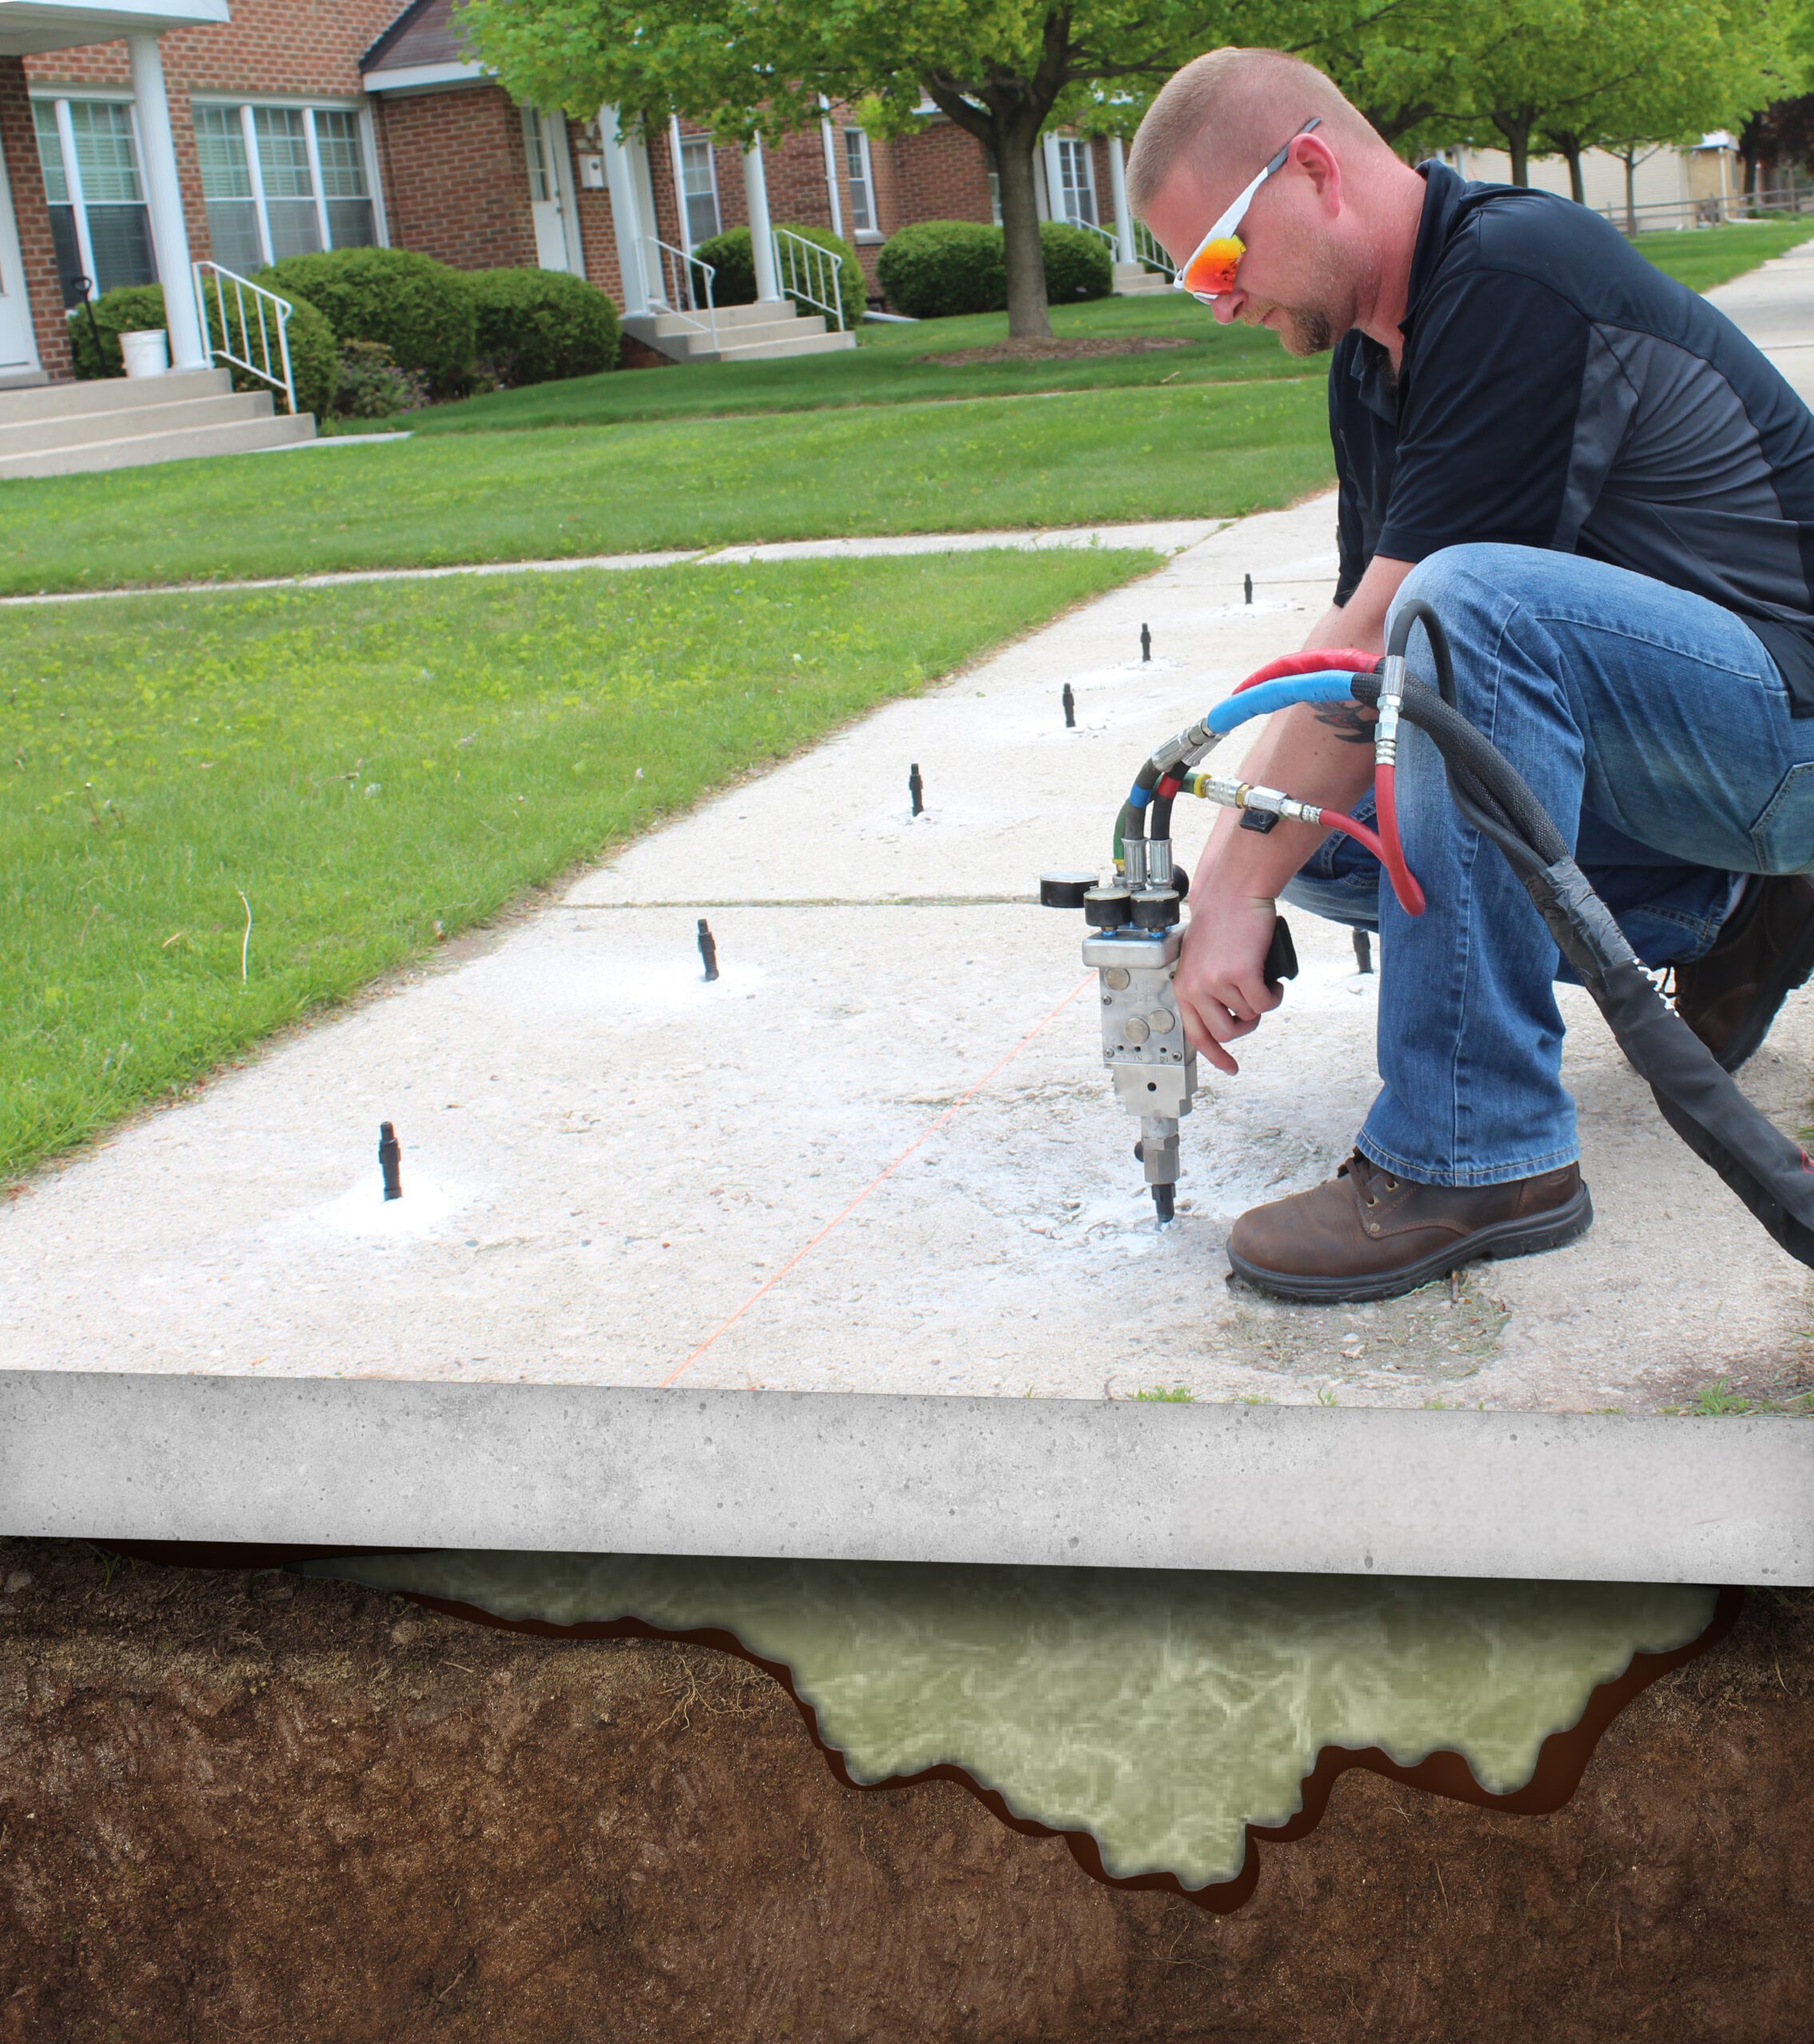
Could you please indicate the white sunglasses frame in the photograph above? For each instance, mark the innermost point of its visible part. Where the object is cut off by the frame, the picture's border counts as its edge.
(1230, 223)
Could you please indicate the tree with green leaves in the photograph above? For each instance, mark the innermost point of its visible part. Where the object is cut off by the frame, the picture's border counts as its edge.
(1660, 72)
(1000, 69)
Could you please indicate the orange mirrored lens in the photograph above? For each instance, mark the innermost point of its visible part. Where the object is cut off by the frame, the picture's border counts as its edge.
(1212, 268)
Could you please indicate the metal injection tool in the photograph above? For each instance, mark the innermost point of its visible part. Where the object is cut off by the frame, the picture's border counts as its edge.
(1133, 942)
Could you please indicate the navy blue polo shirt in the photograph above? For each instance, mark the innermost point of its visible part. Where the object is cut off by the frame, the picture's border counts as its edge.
(1558, 390)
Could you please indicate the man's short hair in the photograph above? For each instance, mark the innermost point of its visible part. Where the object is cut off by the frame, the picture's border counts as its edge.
(1235, 105)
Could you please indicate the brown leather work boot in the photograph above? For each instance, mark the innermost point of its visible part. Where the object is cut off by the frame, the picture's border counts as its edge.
(1764, 951)
(1368, 1235)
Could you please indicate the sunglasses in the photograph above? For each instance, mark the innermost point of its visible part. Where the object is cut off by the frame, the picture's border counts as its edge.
(1210, 271)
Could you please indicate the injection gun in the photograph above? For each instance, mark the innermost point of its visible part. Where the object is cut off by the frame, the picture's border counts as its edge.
(1133, 942)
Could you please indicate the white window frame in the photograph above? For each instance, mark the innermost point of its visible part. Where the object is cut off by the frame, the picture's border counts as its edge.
(1086, 154)
(872, 229)
(679, 145)
(59, 98)
(245, 104)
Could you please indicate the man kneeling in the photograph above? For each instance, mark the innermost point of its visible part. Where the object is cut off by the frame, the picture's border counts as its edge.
(1606, 493)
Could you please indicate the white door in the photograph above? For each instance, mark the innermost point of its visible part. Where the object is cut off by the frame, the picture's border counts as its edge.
(543, 145)
(18, 345)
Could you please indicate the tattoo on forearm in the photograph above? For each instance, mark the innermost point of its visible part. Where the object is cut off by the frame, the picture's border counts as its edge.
(1348, 720)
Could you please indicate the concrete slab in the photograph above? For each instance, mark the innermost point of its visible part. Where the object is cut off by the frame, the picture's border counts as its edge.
(888, 1478)
(877, 1157)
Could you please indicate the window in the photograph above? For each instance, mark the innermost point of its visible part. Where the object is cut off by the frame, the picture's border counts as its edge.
(1076, 196)
(283, 180)
(862, 175)
(994, 197)
(98, 222)
(698, 182)
(541, 181)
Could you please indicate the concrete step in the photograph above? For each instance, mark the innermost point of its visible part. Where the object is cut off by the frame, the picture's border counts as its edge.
(241, 436)
(761, 314)
(111, 393)
(43, 436)
(750, 333)
(1134, 279)
(819, 343)
(729, 319)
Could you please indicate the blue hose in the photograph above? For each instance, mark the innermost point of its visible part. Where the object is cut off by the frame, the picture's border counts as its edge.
(1329, 685)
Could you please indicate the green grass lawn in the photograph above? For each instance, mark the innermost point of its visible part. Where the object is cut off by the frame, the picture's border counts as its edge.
(1702, 257)
(892, 365)
(365, 762)
(1099, 455)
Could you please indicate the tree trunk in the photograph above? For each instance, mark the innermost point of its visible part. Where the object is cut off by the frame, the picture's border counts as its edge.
(1516, 127)
(1577, 184)
(1029, 317)
(1629, 158)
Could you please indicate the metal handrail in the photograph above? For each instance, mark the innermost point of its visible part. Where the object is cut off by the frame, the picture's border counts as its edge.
(1147, 250)
(675, 268)
(1715, 210)
(802, 267)
(272, 366)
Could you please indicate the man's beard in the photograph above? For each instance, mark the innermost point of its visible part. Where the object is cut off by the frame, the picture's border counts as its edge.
(1305, 332)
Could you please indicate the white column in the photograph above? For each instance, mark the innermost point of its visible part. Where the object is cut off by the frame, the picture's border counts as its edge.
(682, 227)
(831, 193)
(163, 201)
(762, 235)
(1055, 206)
(1118, 191)
(620, 185)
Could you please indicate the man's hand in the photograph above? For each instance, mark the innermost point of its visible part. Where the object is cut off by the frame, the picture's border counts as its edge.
(1221, 984)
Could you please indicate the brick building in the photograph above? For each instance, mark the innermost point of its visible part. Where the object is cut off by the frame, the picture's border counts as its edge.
(140, 134)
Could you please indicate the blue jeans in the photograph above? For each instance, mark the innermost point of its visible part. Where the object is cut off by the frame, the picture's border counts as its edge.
(1654, 728)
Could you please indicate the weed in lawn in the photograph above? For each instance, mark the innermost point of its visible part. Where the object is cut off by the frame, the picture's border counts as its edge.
(303, 789)
(1176, 1396)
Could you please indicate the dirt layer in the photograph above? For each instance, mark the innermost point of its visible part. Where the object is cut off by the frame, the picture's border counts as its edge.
(236, 1805)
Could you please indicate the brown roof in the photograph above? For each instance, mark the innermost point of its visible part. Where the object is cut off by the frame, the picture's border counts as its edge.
(423, 33)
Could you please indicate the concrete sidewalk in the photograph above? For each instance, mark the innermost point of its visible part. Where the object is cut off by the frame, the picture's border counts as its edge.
(606, 1158)
(1774, 304)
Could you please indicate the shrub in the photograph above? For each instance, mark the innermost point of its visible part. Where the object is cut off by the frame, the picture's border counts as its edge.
(314, 358)
(1078, 264)
(937, 267)
(535, 325)
(371, 385)
(944, 266)
(422, 310)
(732, 254)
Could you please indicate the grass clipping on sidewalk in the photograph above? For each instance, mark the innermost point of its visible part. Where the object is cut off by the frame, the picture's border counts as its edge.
(227, 810)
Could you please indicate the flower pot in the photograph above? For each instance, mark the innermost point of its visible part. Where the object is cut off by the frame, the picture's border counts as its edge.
(147, 352)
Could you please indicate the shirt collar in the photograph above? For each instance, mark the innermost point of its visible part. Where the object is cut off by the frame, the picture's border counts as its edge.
(1376, 386)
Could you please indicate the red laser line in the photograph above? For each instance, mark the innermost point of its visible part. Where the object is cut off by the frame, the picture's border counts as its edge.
(844, 1213)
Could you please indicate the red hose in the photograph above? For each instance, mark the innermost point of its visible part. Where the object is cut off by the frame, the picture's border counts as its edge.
(1336, 819)
(1311, 662)
(1391, 847)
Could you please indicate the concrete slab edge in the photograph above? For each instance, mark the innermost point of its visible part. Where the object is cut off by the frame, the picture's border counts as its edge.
(372, 1462)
